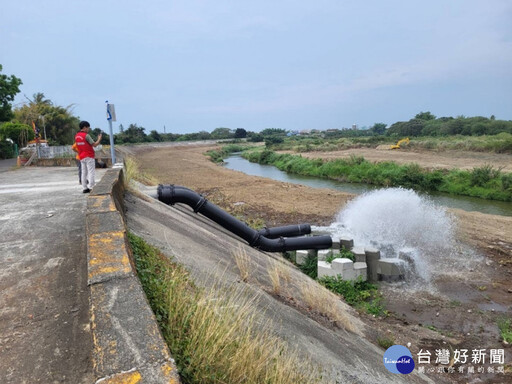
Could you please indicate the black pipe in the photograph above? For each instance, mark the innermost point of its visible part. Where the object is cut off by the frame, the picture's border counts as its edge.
(170, 194)
(276, 232)
(286, 231)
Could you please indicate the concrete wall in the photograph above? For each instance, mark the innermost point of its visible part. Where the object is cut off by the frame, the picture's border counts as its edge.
(128, 345)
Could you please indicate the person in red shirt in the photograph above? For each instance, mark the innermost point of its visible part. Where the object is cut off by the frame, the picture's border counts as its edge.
(85, 144)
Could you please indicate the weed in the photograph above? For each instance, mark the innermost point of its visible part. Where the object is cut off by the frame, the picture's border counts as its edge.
(310, 266)
(359, 294)
(326, 303)
(505, 327)
(275, 278)
(207, 329)
(133, 172)
(385, 342)
(480, 176)
(243, 262)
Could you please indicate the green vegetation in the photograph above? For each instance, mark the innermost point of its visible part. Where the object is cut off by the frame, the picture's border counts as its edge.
(218, 155)
(9, 88)
(386, 342)
(359, 294)
(485, 182)
(310, 266)
(206, 330)
(505, 327)
(343, 253)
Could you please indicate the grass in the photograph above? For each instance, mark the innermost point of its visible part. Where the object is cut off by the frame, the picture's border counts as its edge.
(243, 262)
(133, 172)
(385, 342)
(359, 294)
(484, 182)
(206, 329)
(505, 327)
(275, 277)
(319, 299)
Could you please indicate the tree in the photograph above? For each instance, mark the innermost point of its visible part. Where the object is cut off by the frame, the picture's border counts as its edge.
(240, 133)
(222, 133)
(425, 116)
(378, 128)
(132, 134)
(155, 136)
(274, 132)
(17, 132)
(9, 87)
(58, 122)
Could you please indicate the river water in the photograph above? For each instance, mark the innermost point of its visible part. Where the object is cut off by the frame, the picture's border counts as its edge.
(466, 203)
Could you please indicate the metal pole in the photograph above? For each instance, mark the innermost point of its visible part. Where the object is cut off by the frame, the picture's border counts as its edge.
(112, 151)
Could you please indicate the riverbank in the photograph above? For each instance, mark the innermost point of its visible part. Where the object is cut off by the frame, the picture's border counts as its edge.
(486, 182)
(460, 312)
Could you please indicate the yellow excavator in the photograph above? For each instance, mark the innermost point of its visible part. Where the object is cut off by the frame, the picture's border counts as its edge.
(400, 142)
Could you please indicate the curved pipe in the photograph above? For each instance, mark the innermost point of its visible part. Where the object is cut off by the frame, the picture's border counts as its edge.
(170, 194)
(276, 232)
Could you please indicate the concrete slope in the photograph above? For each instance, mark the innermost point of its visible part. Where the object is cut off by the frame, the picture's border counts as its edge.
(207, 250)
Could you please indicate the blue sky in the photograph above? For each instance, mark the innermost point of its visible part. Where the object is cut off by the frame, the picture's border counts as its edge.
(197, 65)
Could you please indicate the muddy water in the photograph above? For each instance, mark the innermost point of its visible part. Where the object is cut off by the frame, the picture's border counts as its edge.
(465, 203)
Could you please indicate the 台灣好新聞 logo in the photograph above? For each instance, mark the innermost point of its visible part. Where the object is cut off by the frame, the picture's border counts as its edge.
(398, 359)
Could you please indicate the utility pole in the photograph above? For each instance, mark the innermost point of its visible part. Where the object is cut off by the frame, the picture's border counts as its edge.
(111, 116)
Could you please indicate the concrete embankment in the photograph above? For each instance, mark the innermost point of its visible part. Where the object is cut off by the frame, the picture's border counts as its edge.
(128, 346)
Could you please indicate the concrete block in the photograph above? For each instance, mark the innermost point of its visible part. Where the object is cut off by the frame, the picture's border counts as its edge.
(361, 270)
(336, 244)
(324, 269)
(359, 254)
(341, 264)
(301, 256)
(391, 267)
(323, 253)
(372, 259)
(118, 308)
(346, 242)
(313, 253)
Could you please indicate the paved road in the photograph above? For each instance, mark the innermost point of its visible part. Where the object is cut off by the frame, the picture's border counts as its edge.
(44, 310)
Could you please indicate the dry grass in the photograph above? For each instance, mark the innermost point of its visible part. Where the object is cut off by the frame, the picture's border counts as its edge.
(215, 334)
(326, 303)
(275, 278)
(216, 325)
(243, 262)
(133, 172)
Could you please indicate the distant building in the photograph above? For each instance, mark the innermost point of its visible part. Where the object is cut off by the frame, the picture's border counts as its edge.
(354, 127)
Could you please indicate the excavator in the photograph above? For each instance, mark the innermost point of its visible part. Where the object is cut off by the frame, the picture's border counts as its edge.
(400, 142)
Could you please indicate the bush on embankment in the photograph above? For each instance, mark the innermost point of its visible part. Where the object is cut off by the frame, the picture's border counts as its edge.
(485, 182)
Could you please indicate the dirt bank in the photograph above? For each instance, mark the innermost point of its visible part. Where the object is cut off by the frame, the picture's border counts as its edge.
(463, 314)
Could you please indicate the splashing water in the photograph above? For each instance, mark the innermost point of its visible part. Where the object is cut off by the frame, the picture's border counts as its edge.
(397, 220)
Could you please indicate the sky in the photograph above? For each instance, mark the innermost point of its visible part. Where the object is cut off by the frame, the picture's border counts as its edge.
(192, 65)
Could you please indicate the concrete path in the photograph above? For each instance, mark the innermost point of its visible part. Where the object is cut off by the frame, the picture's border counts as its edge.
(44, 310)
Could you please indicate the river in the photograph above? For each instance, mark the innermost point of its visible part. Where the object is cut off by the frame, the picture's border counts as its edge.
(466, 203)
